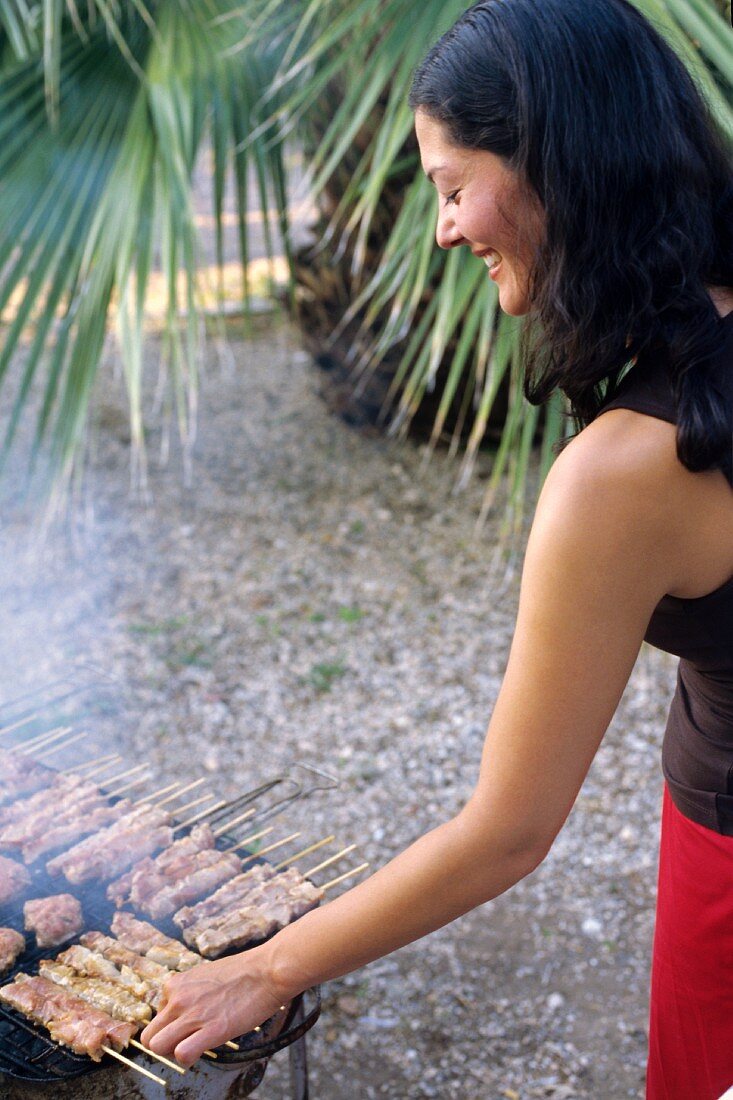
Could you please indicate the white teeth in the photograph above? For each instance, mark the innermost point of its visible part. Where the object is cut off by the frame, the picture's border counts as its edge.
(490, 259)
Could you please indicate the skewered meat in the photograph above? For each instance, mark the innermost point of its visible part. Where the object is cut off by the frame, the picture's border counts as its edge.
(94, 965)
(53, 919)
(89, 818)
(225, 897)
(107, 853)
(68, 1019)
(112, 999)
(20, 774)
(13, 879)
(270, 906)
(141, 937)
(12, 945)
(34, 820)
(152, 974)
(213, 868)
(121, 955)
(149, 876)
(63, 789)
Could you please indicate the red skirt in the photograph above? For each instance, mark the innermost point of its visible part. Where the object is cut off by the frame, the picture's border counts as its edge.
(691, 1008)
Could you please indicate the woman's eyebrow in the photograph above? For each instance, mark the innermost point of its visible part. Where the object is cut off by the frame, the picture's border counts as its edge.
(432, 172)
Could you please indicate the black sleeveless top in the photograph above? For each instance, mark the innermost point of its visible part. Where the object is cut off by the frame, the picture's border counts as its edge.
(697, 751)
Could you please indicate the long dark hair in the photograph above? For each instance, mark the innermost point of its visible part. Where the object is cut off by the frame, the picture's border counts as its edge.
(602, 121)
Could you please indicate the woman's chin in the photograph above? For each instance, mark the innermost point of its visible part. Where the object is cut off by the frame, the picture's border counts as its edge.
(512, 303)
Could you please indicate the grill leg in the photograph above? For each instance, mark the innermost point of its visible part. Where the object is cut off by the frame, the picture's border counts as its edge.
(299, 1062)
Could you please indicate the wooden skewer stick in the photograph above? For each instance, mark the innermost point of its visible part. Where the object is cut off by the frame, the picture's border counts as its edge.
(95, 773)
(237, 821)
(157, 794)
(134, 1065)
(190, 805)
(43, 738)
(256, 836)
(305, 852)
(231, 1045)
(346, 874)
(328, 862)
(211, 1053)
(124, 775)
(252, 838)
(197, 817)
(99, 763)
(17, 725)
(264, 851)
(184, 790)
(158, 1057)
(129, 786)
(57, 748)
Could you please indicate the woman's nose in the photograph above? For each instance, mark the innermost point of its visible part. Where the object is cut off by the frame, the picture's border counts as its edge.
(446, 233)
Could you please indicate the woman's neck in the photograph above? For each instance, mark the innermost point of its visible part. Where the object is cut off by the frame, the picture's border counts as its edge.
(722, 298)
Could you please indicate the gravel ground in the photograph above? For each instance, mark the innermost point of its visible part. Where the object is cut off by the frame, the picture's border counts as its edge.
(319, 595)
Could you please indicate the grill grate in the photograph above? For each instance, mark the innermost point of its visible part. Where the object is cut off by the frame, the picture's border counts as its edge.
(28, 1053)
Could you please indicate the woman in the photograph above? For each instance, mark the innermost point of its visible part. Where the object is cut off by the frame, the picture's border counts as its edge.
(573, 155)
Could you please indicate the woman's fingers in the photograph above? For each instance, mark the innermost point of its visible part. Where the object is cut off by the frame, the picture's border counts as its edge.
(171, 1033)
(156, 1025)
(190, 1049)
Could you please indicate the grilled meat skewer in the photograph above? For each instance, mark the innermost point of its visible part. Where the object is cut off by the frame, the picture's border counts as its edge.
(271, 905)
(149, 971)
(110, 998)
(150, 875)
(236, 890)
(107, 853)
(142, 938)
(87, 821)
(92, 964)
(69, 1019)
(63, 789)
(21, 775)
(213, 868)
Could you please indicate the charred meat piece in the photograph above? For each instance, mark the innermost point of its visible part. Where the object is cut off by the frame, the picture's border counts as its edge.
(142, 938)
(149, 875)
(110, 998)
(68, 1019)
(13, 879)
(53, 919)
(270, 906)
(108, 853)
(12, 946)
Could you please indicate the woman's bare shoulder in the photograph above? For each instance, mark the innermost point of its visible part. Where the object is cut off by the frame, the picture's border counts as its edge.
(625, 460)
(629, 461)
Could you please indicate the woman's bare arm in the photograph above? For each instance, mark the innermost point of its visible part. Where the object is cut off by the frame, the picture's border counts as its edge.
(599, 558)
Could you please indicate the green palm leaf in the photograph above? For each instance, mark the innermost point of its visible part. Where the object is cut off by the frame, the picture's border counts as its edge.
(104, 109)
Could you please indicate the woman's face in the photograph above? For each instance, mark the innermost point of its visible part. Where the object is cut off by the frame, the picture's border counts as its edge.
(482, 205)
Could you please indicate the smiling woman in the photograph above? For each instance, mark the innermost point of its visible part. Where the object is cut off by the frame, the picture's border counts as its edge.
(484, 205)
(574, 156)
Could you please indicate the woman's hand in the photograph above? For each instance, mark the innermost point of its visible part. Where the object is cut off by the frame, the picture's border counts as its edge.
(209, 1004)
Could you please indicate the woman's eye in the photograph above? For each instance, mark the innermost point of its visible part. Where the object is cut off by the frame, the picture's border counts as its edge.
(450, 199)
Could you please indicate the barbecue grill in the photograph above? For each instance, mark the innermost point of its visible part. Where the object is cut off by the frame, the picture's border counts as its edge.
(28, 1053)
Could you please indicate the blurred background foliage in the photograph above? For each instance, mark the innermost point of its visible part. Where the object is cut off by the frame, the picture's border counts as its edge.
(105, 108)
